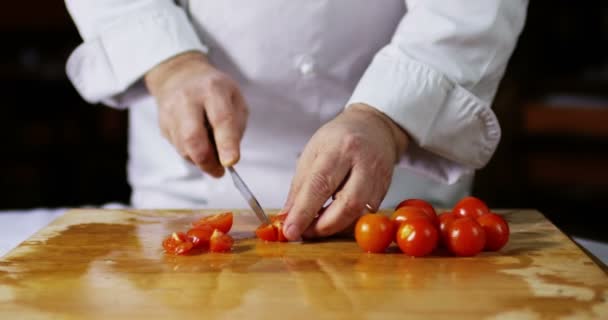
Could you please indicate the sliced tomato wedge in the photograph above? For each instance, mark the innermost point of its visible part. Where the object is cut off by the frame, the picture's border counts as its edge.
(200, 235)
(274, 230)
(220, 242)
(177, 243)
(220, 221)
(278, 225)
(266, 232)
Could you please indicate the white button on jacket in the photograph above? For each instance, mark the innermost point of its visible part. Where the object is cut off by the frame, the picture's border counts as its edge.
(433, 66)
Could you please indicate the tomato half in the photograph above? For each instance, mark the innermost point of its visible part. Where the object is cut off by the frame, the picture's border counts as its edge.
(470, 207)
(220, 221)
(274, 230)
(423, 205)
(496, 229)
(466, 237)
(200, 235)
(417, 237)
(177, 243)
(220, 242)
(374, 232)
(266, 232)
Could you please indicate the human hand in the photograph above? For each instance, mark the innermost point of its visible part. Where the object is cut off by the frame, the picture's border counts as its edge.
(198, 104)
(351, 158)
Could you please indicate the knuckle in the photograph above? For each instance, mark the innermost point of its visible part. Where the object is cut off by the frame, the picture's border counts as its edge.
(351, 143)
(321, 185)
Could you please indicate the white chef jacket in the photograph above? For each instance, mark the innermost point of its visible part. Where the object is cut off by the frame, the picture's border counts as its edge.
(433, 66)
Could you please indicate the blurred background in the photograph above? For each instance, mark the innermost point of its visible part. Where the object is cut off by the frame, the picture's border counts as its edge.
(553, 107)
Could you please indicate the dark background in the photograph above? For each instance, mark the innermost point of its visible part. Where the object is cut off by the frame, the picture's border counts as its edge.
(59, 151)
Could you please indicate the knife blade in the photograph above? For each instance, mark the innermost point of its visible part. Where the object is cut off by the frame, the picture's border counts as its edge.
(248, 195)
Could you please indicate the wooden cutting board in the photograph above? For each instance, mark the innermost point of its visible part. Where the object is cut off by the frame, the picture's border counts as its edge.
(102, 264)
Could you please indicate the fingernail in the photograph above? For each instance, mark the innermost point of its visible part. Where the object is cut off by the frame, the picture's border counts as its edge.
(228, 157)
(291, 232)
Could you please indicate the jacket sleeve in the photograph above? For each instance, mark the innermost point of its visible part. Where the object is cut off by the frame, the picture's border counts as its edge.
(122, 40)
(437, 79)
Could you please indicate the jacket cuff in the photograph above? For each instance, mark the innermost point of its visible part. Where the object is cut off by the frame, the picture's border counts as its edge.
(104, 68)
(452, 130)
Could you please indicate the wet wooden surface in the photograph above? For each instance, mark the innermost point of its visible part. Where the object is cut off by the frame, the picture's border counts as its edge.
(101, 264)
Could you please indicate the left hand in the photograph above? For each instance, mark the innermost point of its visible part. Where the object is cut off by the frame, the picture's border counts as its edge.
(351, 158)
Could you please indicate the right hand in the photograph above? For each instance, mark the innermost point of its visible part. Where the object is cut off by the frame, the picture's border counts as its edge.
(189, 92)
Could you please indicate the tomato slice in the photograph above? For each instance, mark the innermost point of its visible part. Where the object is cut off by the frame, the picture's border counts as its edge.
(266, 232)
(496, 229)
(220, 242)
(417, 237)
(177, 243)
(200, 235)
(220, 221)
(279, 217)
(273, 231)
(278, 225)
(423, 205)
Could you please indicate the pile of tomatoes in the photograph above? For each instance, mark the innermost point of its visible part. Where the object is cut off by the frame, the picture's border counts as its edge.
(209, 233)
(416, 228)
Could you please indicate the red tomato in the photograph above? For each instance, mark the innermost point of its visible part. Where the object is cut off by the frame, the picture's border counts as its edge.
(496, 229)
(407, 213)
(466, 237)
(422, 204)
(274, 230)
(278, 225)
(177, 243)
(374, 232)
(220, 242)
(200, 235)
(279, 217)
(470, 207)
(417, 238)
(266, 232)
(220, 221)
(444, 220)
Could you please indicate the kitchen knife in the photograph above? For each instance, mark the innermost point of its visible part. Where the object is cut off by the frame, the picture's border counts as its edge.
(249, 197)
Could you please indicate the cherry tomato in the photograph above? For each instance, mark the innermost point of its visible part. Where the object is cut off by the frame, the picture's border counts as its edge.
(177, 243)
(374, 232)
(496, 229)
(220, 221)
(200, 235)
(422, 204)
(466, 237)
(220, 242)
(444, 220)
(407, 213)
(470, 207)
(417, 237)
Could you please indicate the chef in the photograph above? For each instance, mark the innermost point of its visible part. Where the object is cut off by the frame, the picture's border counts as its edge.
(351, 104)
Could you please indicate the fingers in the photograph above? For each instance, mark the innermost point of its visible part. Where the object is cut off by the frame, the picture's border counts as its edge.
(360, 190)
(312, 188)
(227, 115)
(192, 141)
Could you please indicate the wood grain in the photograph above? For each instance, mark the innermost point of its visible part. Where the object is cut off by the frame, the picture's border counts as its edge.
(103, 264)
